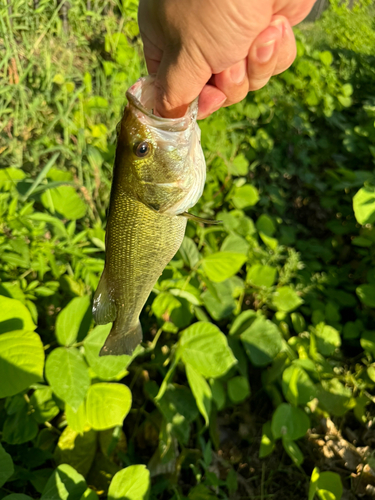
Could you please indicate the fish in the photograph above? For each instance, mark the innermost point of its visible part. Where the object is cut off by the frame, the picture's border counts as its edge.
(159, 174)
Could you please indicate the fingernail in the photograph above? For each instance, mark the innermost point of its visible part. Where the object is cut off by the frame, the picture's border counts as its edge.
(279, 24)
(265, 51)
(238, 72)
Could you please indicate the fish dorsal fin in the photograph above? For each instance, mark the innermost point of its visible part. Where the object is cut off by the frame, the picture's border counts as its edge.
(103, 309)
(195, 218)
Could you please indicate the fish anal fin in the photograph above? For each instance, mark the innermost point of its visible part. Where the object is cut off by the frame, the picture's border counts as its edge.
(104, 309)
(195, 218)
(122, 340)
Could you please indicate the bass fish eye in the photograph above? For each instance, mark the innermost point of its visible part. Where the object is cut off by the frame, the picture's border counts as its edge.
(143, 149)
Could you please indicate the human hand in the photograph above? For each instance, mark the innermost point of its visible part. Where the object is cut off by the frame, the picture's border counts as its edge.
(218, 50)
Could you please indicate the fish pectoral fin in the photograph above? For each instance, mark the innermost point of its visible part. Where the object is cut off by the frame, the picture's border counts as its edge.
(122, 339)
(104, 309)
(195, 218)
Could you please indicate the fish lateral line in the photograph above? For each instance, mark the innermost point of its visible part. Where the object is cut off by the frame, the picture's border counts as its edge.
(195, 218)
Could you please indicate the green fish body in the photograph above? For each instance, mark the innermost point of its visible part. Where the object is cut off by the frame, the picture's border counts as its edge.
(159, 174)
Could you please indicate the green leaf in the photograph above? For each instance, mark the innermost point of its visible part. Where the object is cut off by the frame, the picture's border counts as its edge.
(267, 443)
(218, 393)
(77, 420)
(68, 375)
(201, 392)
(326, 57)
(132, 483)
(239, 166)
(245, 196)
(258, 275)
(243, 322)
(238, 389)
(313, 483)
(44, 406)
(289, 422)
(19, 426)
(77, 450)
(21, 361)
(298, 322)
(364, 205)
(297, 386)
(220, 266)
(14, 316)
(235, 243)
(330, 481)
(106, 367)
(366, 293)
(265, 225)
(73, 321)
(205, 348)
(6, 466)
(262, 341)
(367, 342)
(327, 339)
(189, 252)
(64, 484)
(170, 309)
(286, 299)
(293, 451)
(116, 399)
(334, 397)
(65, 201)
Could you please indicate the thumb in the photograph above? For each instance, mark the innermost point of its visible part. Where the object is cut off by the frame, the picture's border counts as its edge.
(180, 78)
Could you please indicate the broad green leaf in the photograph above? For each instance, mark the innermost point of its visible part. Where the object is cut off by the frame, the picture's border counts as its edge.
(298, 322)
(44, 406)
(238, 389)
(267, 443)
(131, 483)
(201, 392)
(262, 341)
(170, 309)
(189, 252)
(19, 426)
(73, 321)
(326, 57)
(286, 299)
(239, 166)
(89, 494)
(218, 393)
(297, 386)
(220, 266)
(65, 201)
(9, 177)
(330, 481)
(327, 339)
(243, 322)
(293, 450)
(64, 484)
(235, 243)
(68, 375)
(313, 483)
(201, 492)
(77, 450)
(245, 196)
(364, 205)
(265, 225)
(367, 342)
(21, 361)
(205, 348)
(77, 420)
(366, 293)
(6, 466)
(289, 422)
(14, 316)
(258, 275)
(107, 405)
(334, 397)
(106, 367)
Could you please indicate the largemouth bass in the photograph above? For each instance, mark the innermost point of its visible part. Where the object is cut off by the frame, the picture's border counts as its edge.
(159, 173)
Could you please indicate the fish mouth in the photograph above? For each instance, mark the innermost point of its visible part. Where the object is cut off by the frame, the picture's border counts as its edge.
(141, 96)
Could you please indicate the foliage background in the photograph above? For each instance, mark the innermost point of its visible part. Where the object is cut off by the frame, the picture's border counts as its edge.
(259, 337)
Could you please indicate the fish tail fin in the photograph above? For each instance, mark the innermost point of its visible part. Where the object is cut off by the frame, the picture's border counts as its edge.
(122, 340)
(103, 309)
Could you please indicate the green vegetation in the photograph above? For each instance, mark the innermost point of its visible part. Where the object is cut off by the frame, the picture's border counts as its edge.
(260, 331)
